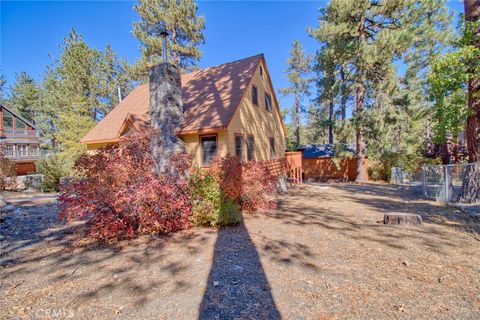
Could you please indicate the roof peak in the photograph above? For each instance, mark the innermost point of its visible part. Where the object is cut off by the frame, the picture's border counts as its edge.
(259, 55)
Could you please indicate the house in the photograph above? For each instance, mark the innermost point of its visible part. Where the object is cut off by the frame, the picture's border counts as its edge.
(228, 109)
(318, 163)
(18, 140)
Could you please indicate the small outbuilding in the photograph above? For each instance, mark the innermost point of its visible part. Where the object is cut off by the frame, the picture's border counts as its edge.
(320, 162)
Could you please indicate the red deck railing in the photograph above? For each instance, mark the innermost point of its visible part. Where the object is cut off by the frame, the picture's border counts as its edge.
(294, 169)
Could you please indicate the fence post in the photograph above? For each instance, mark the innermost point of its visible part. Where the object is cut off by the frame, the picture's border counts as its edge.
(424, 182)
(445, 182)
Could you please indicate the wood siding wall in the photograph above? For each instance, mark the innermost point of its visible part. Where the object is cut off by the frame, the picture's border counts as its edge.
(325, 168)
(192, 145)
(257, 121)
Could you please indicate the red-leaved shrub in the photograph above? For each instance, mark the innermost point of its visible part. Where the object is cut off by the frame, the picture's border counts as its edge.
(250, 184)
(121, 196)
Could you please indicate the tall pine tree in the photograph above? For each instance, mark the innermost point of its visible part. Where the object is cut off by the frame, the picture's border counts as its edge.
(184, 26)
(298, 71)
(25, 96)
(364, 39)
(471, 184)
(79, 88)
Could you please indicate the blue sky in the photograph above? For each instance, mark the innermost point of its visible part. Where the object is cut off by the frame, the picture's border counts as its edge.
(31, 31)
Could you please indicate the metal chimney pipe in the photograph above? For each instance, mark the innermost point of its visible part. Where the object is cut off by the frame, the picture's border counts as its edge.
(164, 35)
(119, 94)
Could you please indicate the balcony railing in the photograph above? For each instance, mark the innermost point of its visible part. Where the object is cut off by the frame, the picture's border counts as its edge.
(31, 155)
(17, 133)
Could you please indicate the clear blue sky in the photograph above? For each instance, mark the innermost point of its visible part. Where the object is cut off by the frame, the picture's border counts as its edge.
(32, 31)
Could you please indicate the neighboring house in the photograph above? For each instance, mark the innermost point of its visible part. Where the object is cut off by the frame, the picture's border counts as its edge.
(18, 140)
(228, 109)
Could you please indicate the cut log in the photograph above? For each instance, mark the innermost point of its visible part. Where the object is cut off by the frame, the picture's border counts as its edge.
(400, 218)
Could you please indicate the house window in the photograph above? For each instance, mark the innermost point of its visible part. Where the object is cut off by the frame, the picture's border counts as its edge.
(272, 148)
(19, 124)
(209, 149)
(255, 95)
(261, 71)
(7, 119)
(22, 150)
(268, 102)
(8, 150)
(250, 148)
(33, 150)
(239, 146)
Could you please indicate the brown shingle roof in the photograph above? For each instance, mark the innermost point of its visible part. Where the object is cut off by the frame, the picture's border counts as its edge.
(210, 98)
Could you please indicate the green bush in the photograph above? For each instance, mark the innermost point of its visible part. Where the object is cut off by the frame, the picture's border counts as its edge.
(53, 168)
(209, 206)
(8, 179)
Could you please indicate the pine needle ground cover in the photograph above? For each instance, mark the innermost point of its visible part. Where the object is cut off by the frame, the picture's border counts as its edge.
(321, 256)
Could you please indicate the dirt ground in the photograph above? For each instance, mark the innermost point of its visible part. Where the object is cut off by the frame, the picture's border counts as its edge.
(324, 255)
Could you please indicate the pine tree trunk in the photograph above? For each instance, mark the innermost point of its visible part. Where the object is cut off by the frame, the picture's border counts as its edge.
(297, 121)
(331, 117)
(470, 192)
(166, 110)
(343, 99)
(362, 174)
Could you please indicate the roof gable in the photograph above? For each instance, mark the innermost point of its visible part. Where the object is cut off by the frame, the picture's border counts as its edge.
(210, 98)
(19, 117)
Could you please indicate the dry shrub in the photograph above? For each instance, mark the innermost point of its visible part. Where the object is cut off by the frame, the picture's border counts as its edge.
(120, 195)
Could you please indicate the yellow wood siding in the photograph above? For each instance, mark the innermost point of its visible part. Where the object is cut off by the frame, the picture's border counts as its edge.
(192, 145)
(257, 121)
(95, 146)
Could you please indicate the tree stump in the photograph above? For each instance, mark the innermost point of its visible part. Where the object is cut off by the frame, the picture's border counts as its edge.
(406, 219)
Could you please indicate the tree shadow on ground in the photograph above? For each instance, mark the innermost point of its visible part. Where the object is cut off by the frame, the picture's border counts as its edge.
(237, 286)
(41, 255)
(389, 198)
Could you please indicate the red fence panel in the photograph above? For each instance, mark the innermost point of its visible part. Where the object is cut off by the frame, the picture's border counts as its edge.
(294, 167)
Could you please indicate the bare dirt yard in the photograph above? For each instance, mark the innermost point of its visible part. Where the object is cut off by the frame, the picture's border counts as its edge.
(323, 255)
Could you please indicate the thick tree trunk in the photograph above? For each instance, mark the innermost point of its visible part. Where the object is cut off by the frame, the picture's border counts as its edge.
(296, 121)
(166, 110)
(362, 173)
(471, 183)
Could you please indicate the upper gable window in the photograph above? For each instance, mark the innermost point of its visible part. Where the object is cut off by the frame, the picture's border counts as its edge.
(261, 70)
(255, 95)
(19, 124)
(7, 119)
(268, 102)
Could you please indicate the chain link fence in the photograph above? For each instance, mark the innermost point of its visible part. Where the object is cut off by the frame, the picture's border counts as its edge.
(439, 182)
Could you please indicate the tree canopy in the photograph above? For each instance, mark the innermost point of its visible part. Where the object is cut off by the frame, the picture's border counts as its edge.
(184, 26)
